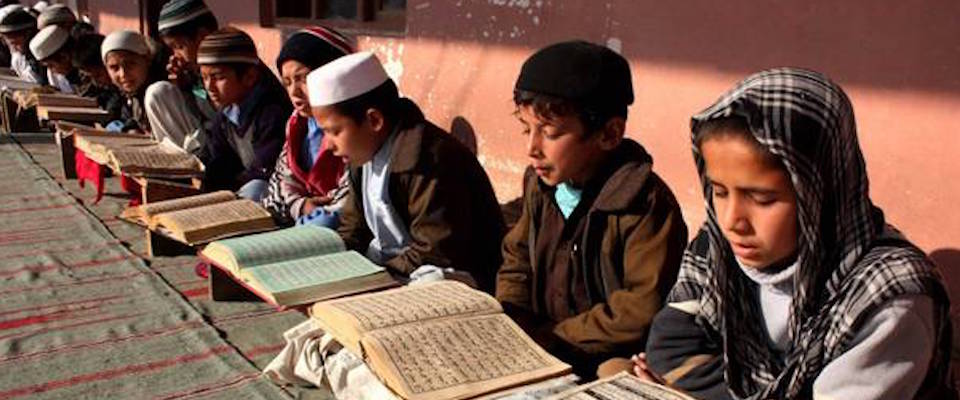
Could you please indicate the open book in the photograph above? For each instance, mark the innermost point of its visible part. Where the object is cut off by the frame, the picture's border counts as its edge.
(202, 218)
(137, 155)
(298, 265)
(622, 386)
(438, 340)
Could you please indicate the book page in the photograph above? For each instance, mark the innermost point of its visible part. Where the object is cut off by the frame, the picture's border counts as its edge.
(312, 271)
(159, 207)
(411, 304)
(285, 244)
(458, 358)
(153, 159)
(211, 215)
(622, 386)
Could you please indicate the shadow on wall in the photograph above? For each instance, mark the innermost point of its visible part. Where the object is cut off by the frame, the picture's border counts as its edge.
(461, 129)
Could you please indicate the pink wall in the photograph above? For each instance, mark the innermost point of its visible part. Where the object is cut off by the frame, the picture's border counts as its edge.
(898, 61)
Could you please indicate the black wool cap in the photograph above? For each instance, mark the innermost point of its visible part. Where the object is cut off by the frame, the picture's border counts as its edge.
(585, 73)
(314, 47)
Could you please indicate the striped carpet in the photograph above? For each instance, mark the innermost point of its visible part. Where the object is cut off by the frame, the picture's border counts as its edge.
(84, 316)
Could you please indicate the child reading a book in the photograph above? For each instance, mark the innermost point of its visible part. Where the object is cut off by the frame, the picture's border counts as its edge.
(127, 59)
(178, 108)
(308, 184)
(417, 196)
(796, 287)
(96, 81)
(247, 135)
(598, 244)
(17, 27)
(53, 48)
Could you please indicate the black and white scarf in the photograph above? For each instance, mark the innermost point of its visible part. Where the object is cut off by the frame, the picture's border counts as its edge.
(850, 262)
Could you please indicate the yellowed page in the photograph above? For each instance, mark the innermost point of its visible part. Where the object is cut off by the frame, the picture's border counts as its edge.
(234, 212)
(152, 209)
(622, 386)
(154, 159)
(457, 358)
(411, 304)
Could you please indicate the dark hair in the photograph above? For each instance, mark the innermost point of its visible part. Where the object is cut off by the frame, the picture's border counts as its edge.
(385, 98)
(734, 126)
(81, 29)
(593, 119)
(86, 52)
(192, 27)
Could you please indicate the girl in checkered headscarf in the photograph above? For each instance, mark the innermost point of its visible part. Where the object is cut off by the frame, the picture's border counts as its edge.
(796, 287)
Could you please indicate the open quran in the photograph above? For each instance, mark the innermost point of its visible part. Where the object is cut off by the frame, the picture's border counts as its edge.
(622, 386)
(58, 106)
(296, 266)
(202, 218)
(137, 155)
(438, 340)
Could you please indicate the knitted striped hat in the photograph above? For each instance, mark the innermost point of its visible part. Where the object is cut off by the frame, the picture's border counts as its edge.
(314, 46)
(55, 14)
(227, 45)
(124, 40)
(48, 41)
(17, 20)
(178, 12)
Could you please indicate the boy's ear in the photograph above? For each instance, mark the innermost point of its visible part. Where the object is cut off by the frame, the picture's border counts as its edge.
(612, 133)
(376, 119)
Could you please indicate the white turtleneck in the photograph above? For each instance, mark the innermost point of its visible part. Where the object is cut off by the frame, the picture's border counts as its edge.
(888, 357)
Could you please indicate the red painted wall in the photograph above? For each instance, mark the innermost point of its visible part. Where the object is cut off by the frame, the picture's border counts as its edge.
(899, 62)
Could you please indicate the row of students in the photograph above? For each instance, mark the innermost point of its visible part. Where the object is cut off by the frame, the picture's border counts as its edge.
(793, 288)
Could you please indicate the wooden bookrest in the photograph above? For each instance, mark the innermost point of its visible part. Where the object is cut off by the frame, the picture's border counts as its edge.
(160, 245)
(154, 189)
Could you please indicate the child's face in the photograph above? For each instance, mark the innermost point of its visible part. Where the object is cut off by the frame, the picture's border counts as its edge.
(557, 149)
(224, 86)
(98, 74)
(294, 75)
(754, 200)
(353, 141)
(16, 41)
(127, 70)
(184, 48)
(59, 63)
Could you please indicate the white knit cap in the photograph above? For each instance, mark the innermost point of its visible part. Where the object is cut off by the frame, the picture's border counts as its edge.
(48, 41)
(345, 78)
(124, 40)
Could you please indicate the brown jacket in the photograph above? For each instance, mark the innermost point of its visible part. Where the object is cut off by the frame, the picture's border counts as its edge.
(443, 196)
(624, 260)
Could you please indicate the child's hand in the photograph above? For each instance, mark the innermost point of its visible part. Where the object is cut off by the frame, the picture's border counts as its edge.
(176, 72)
(313, 203)
(643, 371)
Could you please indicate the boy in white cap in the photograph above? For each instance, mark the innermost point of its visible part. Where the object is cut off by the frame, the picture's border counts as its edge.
(417, 196)
(127, 58)
(17, 27)
(52, 47)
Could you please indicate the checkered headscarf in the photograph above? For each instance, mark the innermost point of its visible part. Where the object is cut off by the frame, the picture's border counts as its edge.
(850, 261)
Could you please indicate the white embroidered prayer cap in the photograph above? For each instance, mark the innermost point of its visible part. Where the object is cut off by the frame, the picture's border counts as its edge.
(345, 78)
(124, 40)
(48, 41)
